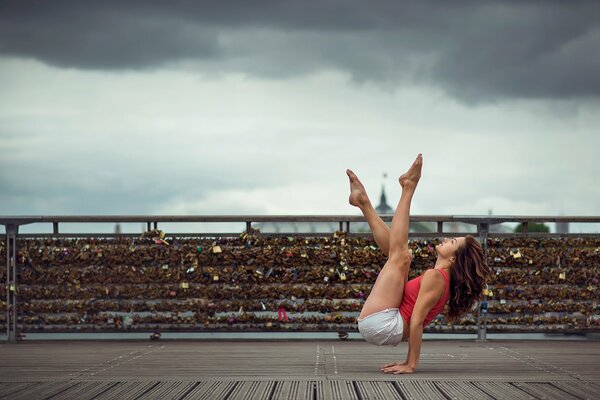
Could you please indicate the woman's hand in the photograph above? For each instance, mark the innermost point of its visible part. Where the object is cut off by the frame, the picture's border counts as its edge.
(398, 368)
(392, 364)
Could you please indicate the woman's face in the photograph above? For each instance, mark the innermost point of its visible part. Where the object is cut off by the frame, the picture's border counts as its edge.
(447, 248)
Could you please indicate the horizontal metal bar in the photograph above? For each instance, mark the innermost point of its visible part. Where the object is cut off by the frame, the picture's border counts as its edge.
(413, 235)
(471, 219)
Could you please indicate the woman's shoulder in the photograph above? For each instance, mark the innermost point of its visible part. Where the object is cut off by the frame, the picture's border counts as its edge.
(435, 271)
(435, 277)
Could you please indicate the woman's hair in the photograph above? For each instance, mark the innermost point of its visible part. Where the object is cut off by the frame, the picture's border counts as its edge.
(469, 277)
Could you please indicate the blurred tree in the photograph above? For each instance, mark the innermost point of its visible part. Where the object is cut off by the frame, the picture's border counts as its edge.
(533, 227)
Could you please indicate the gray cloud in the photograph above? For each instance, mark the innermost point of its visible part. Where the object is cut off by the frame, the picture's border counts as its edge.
(476, 52)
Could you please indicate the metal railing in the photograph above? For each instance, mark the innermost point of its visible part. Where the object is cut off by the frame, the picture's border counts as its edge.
(482, 223)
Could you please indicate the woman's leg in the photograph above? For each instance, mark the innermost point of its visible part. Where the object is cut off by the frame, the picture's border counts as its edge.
(360, 199)
(388, 290)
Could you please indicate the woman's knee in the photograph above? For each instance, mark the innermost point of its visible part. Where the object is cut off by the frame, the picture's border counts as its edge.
(401, 258)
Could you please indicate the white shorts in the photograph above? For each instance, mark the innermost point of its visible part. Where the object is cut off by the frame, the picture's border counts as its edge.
(383, 328)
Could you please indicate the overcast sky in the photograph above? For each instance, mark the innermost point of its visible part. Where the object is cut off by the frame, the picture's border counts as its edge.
(156, 107)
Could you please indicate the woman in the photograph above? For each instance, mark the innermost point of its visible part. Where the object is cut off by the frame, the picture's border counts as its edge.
(398, 309)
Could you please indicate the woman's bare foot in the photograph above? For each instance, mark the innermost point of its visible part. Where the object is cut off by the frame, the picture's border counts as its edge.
(358, 194)
(410, 179)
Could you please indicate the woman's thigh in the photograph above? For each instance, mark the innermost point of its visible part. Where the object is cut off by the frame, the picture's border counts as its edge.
(388, 289)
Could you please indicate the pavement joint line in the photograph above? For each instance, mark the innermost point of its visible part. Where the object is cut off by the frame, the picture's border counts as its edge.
(334, 360)
(94, 366)
(130, 359)
(317, 361)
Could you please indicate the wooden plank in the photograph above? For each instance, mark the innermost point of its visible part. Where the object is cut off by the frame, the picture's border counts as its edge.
(340, 389)
(7, 388)
(42, 390)
(128, 390)
(416, 390)
(462, 390)
(583, 390)
(380, 390)
(298, 390)
(197, 390)
(253, 390)
(169, 390)
(87, 390)
(502, 390)
(213, 390)
(544, 391)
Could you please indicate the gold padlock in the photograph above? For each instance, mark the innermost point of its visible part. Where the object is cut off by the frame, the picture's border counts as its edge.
(562, 275)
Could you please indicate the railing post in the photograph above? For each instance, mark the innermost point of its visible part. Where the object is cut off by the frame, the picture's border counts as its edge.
(483, 229)
(12, 231)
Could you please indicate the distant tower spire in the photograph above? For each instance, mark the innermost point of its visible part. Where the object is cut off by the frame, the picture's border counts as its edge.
(383, 207)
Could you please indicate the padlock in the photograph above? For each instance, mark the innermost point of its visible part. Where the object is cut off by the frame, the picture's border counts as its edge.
(216, 249)
(484, 307)
(562, 275)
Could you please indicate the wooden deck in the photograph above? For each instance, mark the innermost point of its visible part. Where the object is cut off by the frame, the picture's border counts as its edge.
(297, 370)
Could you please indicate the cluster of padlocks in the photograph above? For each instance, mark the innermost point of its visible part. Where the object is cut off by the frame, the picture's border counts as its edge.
(256, 282)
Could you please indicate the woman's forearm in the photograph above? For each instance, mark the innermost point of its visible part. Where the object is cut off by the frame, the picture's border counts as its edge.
(414, 345)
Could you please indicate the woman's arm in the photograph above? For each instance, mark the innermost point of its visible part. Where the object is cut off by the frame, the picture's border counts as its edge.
(432, 288)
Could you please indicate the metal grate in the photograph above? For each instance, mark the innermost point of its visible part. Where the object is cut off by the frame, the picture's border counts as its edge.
(403, 389)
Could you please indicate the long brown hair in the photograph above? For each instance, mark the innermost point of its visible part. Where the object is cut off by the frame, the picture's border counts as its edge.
(469, 276)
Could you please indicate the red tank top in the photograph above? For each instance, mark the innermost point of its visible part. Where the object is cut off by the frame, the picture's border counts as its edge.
(411, 291)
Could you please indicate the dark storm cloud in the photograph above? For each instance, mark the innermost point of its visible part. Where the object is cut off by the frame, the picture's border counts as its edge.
(476, 51)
